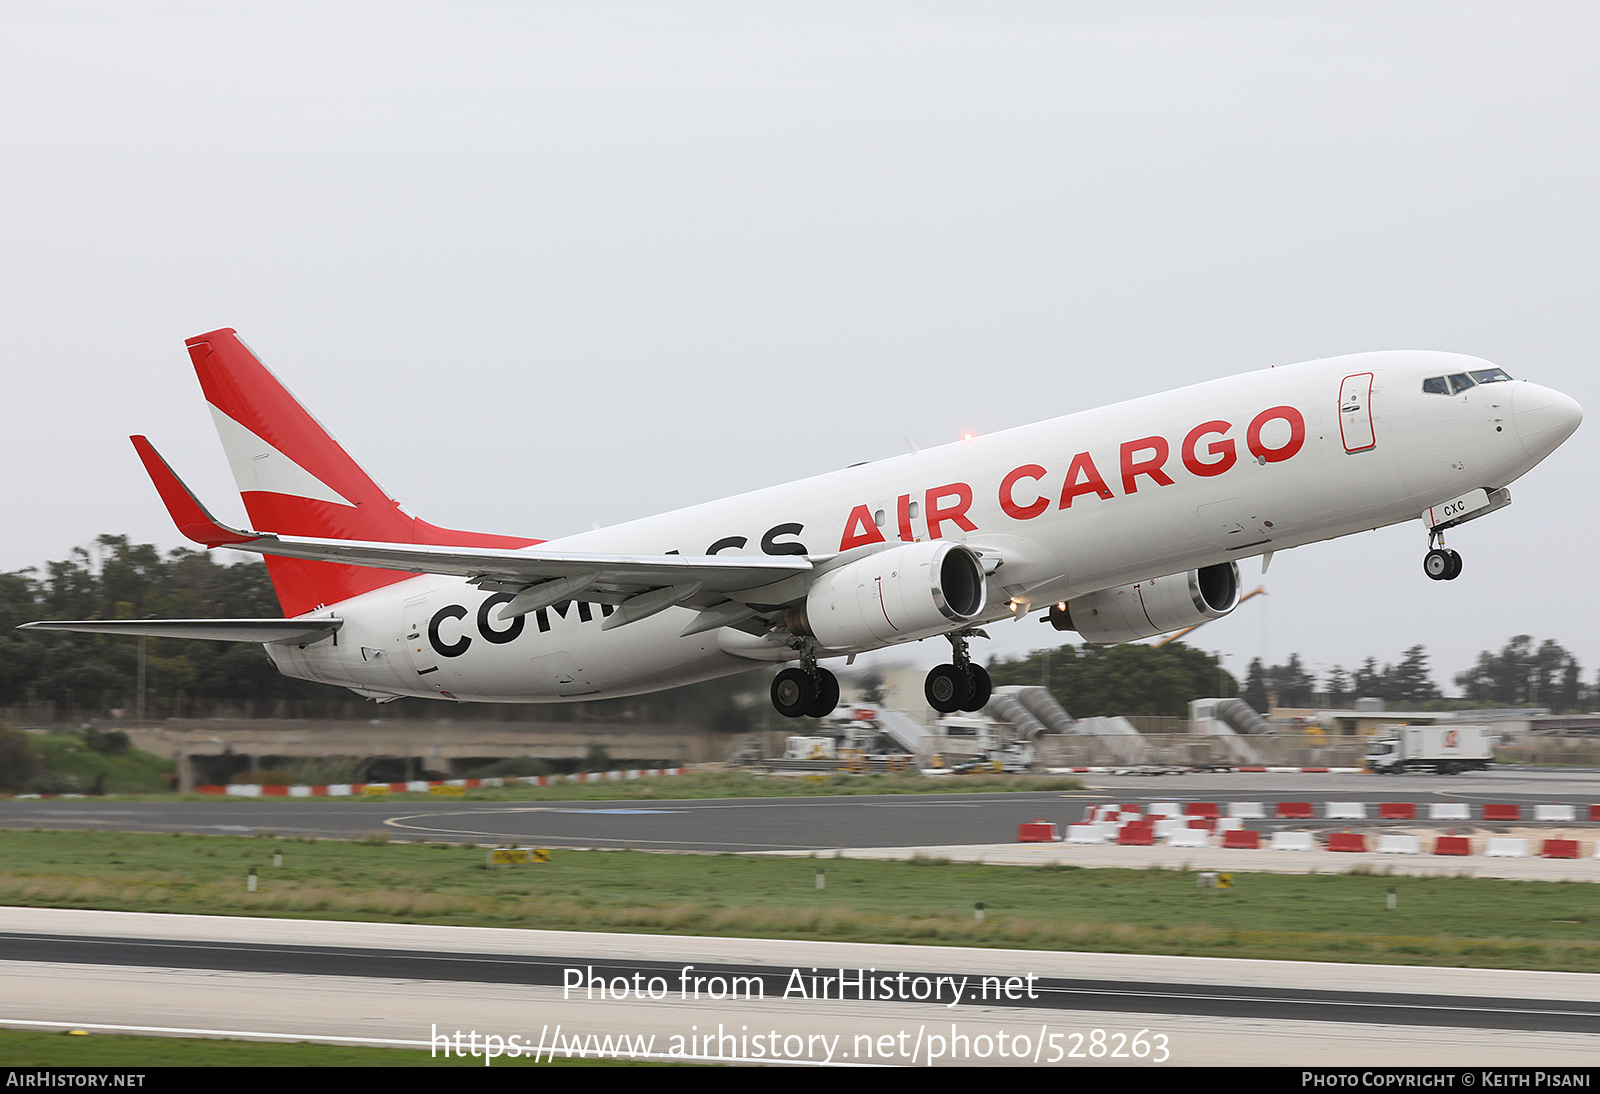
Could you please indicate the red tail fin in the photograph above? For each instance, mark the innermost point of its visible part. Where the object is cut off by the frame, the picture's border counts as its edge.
(295, 479)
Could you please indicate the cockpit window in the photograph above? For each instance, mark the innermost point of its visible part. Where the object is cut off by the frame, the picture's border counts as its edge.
(1435, 385)
(1459, 382)
(1489, 375)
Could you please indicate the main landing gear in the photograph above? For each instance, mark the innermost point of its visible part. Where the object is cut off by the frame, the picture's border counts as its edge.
(961, 685)
(1440, 563)
(805, 692)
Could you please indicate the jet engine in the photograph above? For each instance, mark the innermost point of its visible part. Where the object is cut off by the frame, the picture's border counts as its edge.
(1152, 607)
(895, 595)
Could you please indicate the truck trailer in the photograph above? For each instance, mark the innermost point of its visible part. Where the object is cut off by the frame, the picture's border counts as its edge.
(1447, 749)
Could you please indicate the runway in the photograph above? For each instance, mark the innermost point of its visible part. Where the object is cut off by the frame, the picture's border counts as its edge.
(760, 1000)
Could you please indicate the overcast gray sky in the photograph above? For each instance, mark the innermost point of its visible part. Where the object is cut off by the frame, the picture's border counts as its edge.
(540, 265)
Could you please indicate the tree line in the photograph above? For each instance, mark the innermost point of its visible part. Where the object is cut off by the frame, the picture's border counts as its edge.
(1519, 674)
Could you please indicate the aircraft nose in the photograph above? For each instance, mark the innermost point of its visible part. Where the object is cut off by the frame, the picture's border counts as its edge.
(1544, 418)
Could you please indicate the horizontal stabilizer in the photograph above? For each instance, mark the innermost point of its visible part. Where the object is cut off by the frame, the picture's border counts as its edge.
(282, 631)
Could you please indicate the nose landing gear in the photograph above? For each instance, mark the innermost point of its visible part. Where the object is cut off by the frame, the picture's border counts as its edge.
(1440, 563)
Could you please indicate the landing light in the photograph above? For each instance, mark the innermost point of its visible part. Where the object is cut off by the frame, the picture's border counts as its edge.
(967, 436)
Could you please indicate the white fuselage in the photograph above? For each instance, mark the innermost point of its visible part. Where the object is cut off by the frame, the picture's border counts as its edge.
(1207, 474)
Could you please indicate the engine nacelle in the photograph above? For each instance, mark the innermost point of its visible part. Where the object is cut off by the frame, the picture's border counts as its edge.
(1151, 607)
(896, 595)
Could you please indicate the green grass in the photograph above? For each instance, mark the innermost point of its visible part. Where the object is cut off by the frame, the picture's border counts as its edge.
(717, 784)
(72, 765)
(1440, 921)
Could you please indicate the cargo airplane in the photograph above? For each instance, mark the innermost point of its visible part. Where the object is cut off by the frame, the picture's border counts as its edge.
(1120, 524)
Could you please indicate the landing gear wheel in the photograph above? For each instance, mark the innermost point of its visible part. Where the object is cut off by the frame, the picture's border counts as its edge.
(982, 688)
(793, 693)
(946, 689)
(1455, 565)
(1437, 565)
(827, 695)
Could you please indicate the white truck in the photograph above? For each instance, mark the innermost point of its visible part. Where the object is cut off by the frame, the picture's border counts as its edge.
(809, 748)
(1447, 749)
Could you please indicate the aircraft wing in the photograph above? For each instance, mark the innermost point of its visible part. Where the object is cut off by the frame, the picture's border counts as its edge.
(540, 577)
(283, 631)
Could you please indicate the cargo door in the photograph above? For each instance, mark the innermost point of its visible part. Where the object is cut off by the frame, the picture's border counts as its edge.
(1355, 412)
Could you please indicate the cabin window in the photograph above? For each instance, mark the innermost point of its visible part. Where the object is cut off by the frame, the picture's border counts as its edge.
(1489, 375)
(1459, 382)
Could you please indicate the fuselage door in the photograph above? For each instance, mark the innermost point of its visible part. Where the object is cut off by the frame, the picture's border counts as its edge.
(1355, 412)
(414, 636)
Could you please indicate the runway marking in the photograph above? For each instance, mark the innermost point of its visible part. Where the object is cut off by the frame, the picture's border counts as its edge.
(322, 1038)
(570, 841)
(620, 812)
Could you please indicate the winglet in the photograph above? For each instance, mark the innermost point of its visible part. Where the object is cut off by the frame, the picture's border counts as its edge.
(186, 511)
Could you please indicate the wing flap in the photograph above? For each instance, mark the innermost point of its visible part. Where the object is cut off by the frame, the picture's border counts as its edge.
(532, 565)
(502, 567)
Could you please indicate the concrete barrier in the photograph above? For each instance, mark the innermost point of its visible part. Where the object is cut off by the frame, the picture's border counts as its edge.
(1399, 845)
(1294, 811)
(1452, 845)
(1506, 847)
(1397, 811)
(1242, 839)
(1165, 809)
(1168, 825)
(1189, 837)
(1345, 811)
(1247, 810)
(1559, 848)
(1136, 835)
(1200, 809)
(1449, 811)
(1229, 824)
(1555, 813)
(1087, 833)
(1292, 841)
(1037, 831)
(1501, 811)
(1346, 841)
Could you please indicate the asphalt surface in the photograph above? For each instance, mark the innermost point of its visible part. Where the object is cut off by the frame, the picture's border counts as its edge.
(789, 824)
